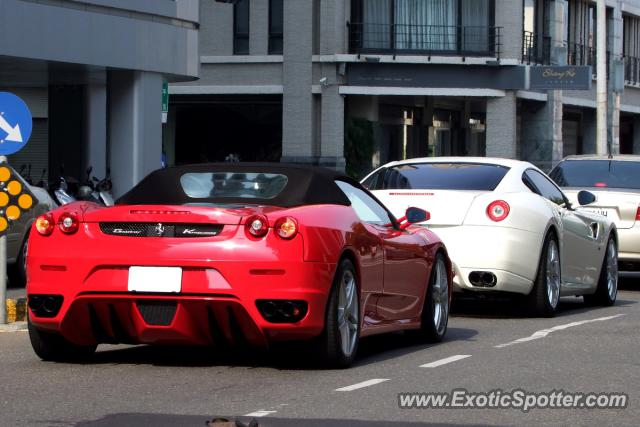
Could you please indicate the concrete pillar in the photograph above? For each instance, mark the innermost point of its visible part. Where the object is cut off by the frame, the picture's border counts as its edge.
(556, 22)
(297, 99)
(501, 126)
(259, 27)
(614, 45)
(332, 129)
(509, 17)
(589, 131)
(613, 122)
(95, 153)
(135, 127)
(541, 133)
(333, 29)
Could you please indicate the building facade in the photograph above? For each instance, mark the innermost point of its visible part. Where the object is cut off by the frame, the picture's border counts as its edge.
(92, 72)
(357, 83)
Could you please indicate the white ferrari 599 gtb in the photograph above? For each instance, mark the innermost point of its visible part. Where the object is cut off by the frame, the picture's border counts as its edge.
(507, 227)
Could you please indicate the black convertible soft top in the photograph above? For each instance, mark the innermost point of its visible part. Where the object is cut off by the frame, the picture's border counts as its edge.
(306, 185)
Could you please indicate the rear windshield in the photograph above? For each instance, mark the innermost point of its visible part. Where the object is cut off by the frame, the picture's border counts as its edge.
(438, 176)
(597, 173)
(205, 185)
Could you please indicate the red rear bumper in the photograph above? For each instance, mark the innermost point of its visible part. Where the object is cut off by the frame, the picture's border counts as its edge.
(216, 305)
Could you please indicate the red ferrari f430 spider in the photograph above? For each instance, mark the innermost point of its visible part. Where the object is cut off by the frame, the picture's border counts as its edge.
(223, 254)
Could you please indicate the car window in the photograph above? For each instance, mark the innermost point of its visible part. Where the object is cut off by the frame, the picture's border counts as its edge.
(374, 181)
(442, 176)
(597, 173)
(546, 188)
(203, 185)
(366, 207)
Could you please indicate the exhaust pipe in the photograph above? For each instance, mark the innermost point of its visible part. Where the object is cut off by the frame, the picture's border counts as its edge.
(50, 304)
(474, 278)
(483, 279)
(269, 309)
(489, 280)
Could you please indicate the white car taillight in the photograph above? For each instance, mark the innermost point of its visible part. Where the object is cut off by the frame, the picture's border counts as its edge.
(68, 223)
(498, 210)
(257, 226)
(638, 214)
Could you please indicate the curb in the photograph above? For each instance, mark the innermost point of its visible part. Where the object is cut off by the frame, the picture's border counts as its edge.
(14, 327)
(16, 310)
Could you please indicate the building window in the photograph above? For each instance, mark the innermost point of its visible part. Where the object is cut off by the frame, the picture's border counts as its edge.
(276, 26)
(581, 33)
(241, 28)
(631, 49)
(536, 42)
(424, 25)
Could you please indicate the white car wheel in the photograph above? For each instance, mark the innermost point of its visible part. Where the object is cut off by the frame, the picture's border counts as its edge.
(607, 290)
(545, 295)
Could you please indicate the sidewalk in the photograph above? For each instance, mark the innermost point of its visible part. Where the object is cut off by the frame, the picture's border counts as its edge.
(14, 327)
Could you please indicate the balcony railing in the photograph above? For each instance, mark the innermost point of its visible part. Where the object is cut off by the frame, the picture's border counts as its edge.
(536, 49)
(580, 54)
(398, 39)
(632, 70)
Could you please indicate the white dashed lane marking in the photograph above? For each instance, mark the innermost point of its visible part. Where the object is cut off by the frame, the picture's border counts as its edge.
(445, 361)
(543, 333)
(363, 384)
(261, 413)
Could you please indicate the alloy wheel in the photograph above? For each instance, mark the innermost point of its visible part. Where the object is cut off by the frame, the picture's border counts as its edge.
(348, 314)
(612, 269)
(440, 298)
(553, 274)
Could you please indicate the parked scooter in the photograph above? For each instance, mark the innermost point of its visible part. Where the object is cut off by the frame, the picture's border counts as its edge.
(95, 190)
(61, 194)
(103, 188)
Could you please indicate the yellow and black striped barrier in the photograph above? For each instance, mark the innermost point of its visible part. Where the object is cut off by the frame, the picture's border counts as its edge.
(16, 310)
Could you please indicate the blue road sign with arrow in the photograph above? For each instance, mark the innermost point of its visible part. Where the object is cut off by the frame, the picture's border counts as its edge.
(15, 123)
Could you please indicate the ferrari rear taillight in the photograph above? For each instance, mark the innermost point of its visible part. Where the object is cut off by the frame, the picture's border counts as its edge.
(45, 224)
(638, 214)
(258, 226)
(286, 227)
(68, 223)
(498, 210)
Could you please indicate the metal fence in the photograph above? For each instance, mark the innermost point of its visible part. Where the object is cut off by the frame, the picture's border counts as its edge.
(424, 39)
(632, 69)
(536, 49)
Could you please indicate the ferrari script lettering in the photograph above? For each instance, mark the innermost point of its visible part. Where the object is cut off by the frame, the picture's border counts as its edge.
(121, 231)
(198, 233)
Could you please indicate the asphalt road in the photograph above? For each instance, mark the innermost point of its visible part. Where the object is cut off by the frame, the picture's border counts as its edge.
(135, 386)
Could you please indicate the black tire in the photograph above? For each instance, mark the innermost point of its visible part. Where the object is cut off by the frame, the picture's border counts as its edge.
(538, 299)
(602, 296)
(21, 266)
(429, 331)
(53, 347)
(17, 272)
(330, 345)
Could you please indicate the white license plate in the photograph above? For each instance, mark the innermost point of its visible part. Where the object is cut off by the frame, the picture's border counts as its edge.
(155, 279)
(602, 212)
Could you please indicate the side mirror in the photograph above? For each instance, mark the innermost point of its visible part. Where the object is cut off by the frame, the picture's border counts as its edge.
(415, 215)
(586, 197)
